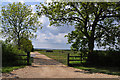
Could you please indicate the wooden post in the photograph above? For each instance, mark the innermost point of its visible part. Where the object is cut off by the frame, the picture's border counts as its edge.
(81, 57)
(68, 60)
(28, 58)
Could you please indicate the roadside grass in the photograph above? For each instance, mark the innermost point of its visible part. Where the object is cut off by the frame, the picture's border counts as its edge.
(61, 56)
(11, 68)
(105, 70)
(8, 67)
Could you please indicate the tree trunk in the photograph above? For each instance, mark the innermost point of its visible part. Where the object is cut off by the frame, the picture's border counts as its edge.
(91, 47)
(18, 41)
(18, 44)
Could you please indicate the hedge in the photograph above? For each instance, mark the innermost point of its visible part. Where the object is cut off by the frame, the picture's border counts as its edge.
(105, 58)
(9, 55)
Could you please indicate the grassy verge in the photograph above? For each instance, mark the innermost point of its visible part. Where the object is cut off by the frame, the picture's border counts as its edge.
(105, 70)
(10, 68)
(62, 57)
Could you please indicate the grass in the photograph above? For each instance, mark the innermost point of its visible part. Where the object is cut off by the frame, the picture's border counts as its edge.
(8, 67)
(105, 70)
(11, 68)
(61, 56)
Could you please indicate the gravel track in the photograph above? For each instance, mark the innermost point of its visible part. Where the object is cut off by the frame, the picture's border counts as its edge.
(45, 67)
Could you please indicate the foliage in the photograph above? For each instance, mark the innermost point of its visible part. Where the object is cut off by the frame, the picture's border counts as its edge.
(1, 41)
(94, 22)
(26, 45)
(106, 58)
(18, 21)
(10, 55)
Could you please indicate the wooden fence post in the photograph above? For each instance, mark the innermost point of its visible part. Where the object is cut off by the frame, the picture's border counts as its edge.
(68, 59)
(28, 57)
(81, 57)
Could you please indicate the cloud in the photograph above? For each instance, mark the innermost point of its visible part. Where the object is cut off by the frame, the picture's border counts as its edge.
(51, 45)
(22, 1)
(33, 7)
(51, 41)
(52, 29)
(51, 36)
(49, 0)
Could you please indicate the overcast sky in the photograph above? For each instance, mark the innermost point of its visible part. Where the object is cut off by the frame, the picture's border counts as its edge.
(49, 36)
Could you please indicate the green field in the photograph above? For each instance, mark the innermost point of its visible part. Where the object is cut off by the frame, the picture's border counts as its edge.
(57, 55)
(61, 56)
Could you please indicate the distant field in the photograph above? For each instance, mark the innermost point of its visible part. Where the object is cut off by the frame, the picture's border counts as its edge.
(61, 55)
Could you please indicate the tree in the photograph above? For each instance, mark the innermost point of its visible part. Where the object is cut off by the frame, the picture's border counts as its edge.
(18, 22)
(26, 45)
(94, 22)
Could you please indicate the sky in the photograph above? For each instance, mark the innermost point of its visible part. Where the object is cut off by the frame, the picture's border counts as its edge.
(49, 37)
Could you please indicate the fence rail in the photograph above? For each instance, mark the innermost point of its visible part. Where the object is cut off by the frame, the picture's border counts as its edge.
(74, 56)
(21, 55)
(82, 57)
(28, 58)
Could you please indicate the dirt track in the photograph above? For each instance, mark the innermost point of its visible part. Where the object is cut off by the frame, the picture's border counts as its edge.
(44, 67)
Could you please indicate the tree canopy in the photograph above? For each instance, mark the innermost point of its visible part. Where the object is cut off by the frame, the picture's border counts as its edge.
(26, 45)
(18, 22)
(94, 22)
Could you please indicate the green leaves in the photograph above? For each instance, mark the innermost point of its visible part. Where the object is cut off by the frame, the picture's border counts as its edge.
(26, 45)
(18, 21)
(93, 21)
